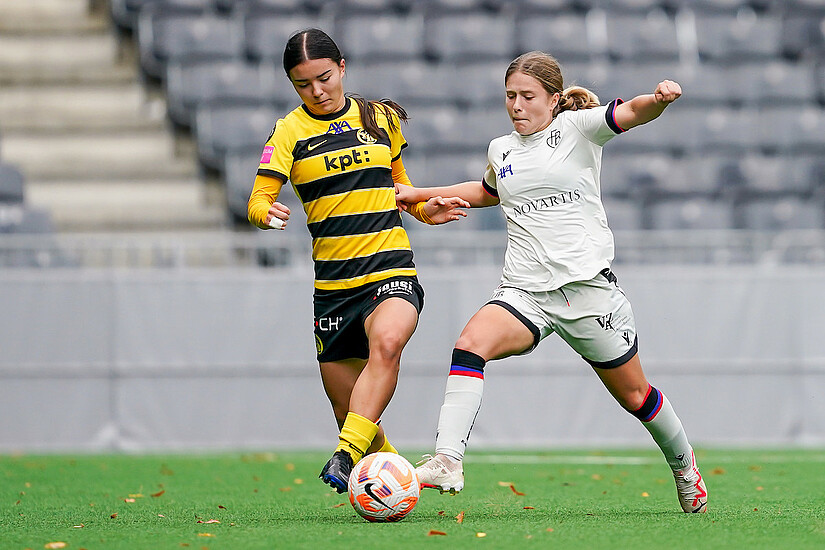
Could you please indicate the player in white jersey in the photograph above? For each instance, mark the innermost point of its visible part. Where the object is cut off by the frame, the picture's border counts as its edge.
(556, 278)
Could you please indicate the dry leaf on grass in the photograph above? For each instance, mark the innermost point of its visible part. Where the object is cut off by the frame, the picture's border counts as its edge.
(340, 504)
(460, 517)
(113, 516)
(718, 471)
(221, 507)
(205, 535)
(645, 494)
(77, 526)
(481, 535)
(129, 500)
(58, 544)
(529, 508)
(433, 532)
(208, 521)
(159, 493)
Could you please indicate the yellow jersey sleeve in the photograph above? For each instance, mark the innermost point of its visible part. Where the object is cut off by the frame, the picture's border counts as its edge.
(276, 159)
(264, 193)
(399, 175)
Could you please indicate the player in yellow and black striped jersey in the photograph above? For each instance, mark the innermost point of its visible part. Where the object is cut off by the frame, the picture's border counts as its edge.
(343, 177)
(342, 155)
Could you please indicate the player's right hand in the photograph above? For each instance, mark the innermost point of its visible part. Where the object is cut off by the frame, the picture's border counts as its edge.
(278, 216)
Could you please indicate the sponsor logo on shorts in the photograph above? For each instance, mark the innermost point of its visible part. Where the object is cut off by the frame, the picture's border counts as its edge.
(606, 321)
(319, 345)
(329, 324)
(395, 287)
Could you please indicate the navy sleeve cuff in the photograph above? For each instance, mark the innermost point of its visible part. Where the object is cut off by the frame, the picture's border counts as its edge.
(610, 116)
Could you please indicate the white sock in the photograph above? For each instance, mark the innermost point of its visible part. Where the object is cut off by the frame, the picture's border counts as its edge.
(462, 401)
(658, 416)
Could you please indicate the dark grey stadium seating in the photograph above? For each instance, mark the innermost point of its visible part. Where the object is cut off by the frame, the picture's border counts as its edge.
(746, 131)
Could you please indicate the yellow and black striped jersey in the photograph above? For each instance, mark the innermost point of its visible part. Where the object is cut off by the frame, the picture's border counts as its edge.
(343, 177)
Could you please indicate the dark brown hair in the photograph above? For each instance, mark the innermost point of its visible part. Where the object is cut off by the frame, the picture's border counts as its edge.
(316, 44)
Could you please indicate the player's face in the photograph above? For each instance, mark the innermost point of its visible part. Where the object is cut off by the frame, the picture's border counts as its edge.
(529, 105)
(319, 82)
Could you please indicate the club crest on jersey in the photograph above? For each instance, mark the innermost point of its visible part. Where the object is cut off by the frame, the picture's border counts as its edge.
(339, 127)
(365, 137)
(504, 170)
(554, 138)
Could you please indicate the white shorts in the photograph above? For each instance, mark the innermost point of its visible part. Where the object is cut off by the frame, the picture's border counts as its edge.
(594, 317)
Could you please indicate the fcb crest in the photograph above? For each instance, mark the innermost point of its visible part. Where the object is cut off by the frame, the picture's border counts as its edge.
(365, 137)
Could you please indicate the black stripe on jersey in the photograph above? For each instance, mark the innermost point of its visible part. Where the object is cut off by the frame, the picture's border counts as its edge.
(398, 156)
(326, 143)
(332, 270)
(368, 178)
(272, 174)
(490, 190)
(610, 117)
(355, 224)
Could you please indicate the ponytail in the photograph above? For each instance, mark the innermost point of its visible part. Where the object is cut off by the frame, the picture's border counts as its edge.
(368, 109)
(575, 98)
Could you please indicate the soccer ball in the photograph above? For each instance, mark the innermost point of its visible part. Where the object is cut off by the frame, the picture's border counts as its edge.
(383, 487)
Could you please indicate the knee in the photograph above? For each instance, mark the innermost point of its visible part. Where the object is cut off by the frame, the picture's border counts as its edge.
(386, 348)
(632, 398)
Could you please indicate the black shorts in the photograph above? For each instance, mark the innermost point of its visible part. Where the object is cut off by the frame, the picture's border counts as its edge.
(340, 315)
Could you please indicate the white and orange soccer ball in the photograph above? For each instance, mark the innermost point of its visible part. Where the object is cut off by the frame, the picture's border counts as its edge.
(383, 487)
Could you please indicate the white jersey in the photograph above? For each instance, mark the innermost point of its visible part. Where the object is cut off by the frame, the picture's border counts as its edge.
(548, 185)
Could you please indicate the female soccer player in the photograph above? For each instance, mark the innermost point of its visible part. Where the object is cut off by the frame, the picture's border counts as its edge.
(557, 275)
(343, 156)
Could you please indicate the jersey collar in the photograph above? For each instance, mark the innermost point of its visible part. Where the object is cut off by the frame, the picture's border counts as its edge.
(330, 116)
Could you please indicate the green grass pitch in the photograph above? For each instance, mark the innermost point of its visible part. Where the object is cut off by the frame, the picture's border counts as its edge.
(572, 499)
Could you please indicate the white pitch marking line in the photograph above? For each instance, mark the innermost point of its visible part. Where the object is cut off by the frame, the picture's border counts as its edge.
(635, 460)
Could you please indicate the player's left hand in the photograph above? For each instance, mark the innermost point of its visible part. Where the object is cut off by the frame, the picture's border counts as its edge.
(442, 210)
(667, 91)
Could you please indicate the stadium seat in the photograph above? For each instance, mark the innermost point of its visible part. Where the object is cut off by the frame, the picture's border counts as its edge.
(721, 6)
(221, 129)
(676, 131)
(782, 213)
(803, 36)
(692, 214)
(622, 214)
(625, 6)
(266, 32)
(740, 37)
(792, 128)
(470, 36)
(648, 38)
(775, 82)
(482, 84)
(12, 184)
(380, 37)
(727, 130)
(125, 12)
(191, 83)
(565, 35)
(166, 33)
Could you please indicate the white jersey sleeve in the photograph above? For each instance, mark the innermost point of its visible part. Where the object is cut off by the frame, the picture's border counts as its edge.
(598, 124)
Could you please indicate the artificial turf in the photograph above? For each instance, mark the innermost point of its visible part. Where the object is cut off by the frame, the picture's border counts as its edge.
(585, 499)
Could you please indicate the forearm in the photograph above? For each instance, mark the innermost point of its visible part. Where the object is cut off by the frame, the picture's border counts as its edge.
(470, 191)
(264, 193)
(639, 110)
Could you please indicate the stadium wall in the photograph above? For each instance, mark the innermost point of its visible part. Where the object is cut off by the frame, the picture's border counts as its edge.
(185, 359)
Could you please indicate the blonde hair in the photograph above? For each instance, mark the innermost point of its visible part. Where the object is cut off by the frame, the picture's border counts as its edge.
(544, 68)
